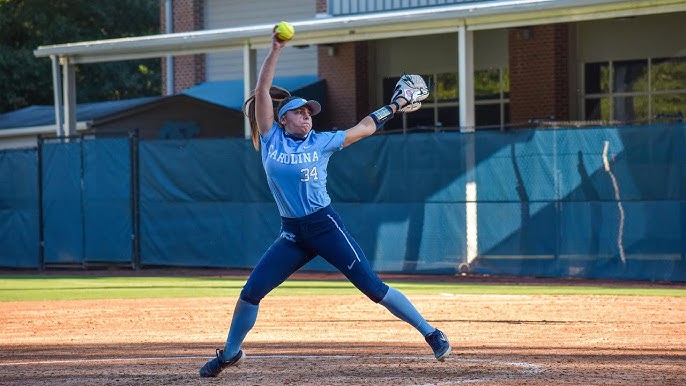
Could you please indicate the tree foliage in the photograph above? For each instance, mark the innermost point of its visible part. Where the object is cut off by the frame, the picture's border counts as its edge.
(26, 24)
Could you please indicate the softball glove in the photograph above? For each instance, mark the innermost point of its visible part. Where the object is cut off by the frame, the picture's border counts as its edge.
(413, 89)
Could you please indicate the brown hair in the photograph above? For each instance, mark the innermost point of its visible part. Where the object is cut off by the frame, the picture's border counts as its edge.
(278, 94)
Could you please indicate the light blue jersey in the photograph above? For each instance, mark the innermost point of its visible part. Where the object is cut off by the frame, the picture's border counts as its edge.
(296, 169)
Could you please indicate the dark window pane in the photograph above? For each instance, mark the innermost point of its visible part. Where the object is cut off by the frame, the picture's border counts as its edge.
(630, 75)
(394, 124)
(446, 87)
(487, 84)
(431, 82)
(487, 116)
(597, 109)
(668, 74)
(422, 118)
(597, 77)
(506, 83)
(670, 105)
(448, 117)
(632, 108)
(388, 86)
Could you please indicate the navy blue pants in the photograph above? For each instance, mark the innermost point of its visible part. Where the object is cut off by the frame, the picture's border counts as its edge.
(302, 239)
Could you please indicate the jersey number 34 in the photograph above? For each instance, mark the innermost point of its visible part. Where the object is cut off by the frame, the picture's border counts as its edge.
(309, 174)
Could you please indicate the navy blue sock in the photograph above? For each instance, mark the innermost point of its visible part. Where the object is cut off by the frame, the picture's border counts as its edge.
(402, 308)
(244, 316)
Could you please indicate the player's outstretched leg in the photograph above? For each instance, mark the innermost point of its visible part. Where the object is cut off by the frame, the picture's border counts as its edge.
(439, 343)
(216, 365)
(244, 317)
(402, 308)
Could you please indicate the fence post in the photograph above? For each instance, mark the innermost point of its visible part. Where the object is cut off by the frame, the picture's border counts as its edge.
(41, 233)
(135, 199)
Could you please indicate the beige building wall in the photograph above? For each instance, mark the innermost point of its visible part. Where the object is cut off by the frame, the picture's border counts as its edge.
(228, 65)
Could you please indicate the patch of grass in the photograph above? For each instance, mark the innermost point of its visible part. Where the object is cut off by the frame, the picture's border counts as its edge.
(26, 288)
(33, 287)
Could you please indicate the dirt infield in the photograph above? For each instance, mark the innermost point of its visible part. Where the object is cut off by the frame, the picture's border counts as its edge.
(348, 340)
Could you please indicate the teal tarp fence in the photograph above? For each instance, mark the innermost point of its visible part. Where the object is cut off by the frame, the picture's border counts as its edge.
(62, 211)
(107, 202)
(86, 202)
(594, 202)
(19, 228)
(204, 203)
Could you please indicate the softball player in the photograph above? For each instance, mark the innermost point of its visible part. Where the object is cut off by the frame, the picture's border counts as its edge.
(295, 160)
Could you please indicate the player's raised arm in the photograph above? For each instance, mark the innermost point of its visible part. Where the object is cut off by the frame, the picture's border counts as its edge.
(372, 122)
(264, 111)
(407, 96)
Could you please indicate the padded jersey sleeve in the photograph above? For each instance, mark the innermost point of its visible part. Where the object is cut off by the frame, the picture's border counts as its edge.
(331, 141)
(270, 133)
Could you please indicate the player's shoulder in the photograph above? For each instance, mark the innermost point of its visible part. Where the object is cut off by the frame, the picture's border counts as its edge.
(332, 139)
(270, 133)
(326, 133)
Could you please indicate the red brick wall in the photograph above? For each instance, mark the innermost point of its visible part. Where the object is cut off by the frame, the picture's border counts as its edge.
(189, 70)
(361, 81)
(347, 80)
(321, 6)
(346, 83)
(539, 73)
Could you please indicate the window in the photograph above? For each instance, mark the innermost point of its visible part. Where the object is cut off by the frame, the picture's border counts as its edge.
(597, 78)
(635, 90)
(668, 86)
(630, 76)
(441, 109)
(491, 95)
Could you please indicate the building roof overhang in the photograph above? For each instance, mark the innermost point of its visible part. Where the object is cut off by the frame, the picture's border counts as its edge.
(329, 30)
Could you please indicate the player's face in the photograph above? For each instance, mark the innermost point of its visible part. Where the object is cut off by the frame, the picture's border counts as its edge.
(298, 121)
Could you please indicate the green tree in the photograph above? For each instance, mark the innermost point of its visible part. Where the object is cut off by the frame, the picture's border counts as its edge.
(26, 24)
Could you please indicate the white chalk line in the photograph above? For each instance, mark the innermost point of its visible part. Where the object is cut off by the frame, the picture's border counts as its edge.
(527, 367)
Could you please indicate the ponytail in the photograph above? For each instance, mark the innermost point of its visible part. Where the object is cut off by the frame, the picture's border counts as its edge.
(278, 94)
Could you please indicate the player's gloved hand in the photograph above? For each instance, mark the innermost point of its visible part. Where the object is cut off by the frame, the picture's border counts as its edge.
(413, 89)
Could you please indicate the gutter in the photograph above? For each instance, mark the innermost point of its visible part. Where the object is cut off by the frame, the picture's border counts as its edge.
(34, 130)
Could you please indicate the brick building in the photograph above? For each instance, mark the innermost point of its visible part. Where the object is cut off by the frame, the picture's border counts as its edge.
(492, 65)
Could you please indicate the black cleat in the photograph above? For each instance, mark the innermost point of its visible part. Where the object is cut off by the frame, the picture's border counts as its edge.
(216, 365)
(439, 343)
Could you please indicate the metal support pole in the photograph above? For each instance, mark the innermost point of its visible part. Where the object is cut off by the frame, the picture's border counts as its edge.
(135, 200)
(57, 93)
(69, 83)
(41, 230)
(249, 81)
(169, 28)
(465, 59)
